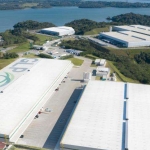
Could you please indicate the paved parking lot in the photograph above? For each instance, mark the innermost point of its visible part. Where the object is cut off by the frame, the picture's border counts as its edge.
(46, 130)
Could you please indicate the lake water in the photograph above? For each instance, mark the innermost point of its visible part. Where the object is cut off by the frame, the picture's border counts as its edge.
(62, 15)
(130, 1)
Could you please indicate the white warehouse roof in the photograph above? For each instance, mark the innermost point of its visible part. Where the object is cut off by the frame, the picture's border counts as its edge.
(100, 119)
(62, 30)
(135, 28)
(139, 117)
(25, 86)
(97, 120)
(121, 37)
(136, 35)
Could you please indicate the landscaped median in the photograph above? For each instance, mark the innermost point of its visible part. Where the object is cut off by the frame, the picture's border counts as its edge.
(76, 61)
(6, 62)
(25, 147)
(21, 48)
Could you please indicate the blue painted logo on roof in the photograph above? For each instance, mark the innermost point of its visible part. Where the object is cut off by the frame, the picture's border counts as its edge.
(6, 78)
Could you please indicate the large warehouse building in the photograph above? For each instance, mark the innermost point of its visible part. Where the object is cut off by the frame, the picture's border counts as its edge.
(25, 86)
(128, 36)
(110, 116)
(58, 31)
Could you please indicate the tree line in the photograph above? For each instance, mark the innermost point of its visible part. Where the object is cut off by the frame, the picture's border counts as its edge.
(83, 25)
(8, 55)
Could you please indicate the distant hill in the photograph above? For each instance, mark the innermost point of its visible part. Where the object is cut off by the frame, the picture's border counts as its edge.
(17, 4)
(101, 4)
(131, 18)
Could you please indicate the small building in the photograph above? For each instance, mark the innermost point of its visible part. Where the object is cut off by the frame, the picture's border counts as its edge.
(86, 76)
(58, 31)
(102, 72)
(97, 62)
(73, 51)
(38, 47)
(103, 62)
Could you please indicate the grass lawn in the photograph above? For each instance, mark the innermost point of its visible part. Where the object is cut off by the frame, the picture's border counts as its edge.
(120, 77)
(21, 48)
(97, 31)
(26, 46)
(43, 39)
(25, 147)
(76, 61)
(5, 62)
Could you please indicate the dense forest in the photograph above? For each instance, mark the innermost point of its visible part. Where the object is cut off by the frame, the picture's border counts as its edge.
(131, 18)
(83, 25)
(17, 4)
(142, 58)
(126, 65)
(32, 25)
(101, 4)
